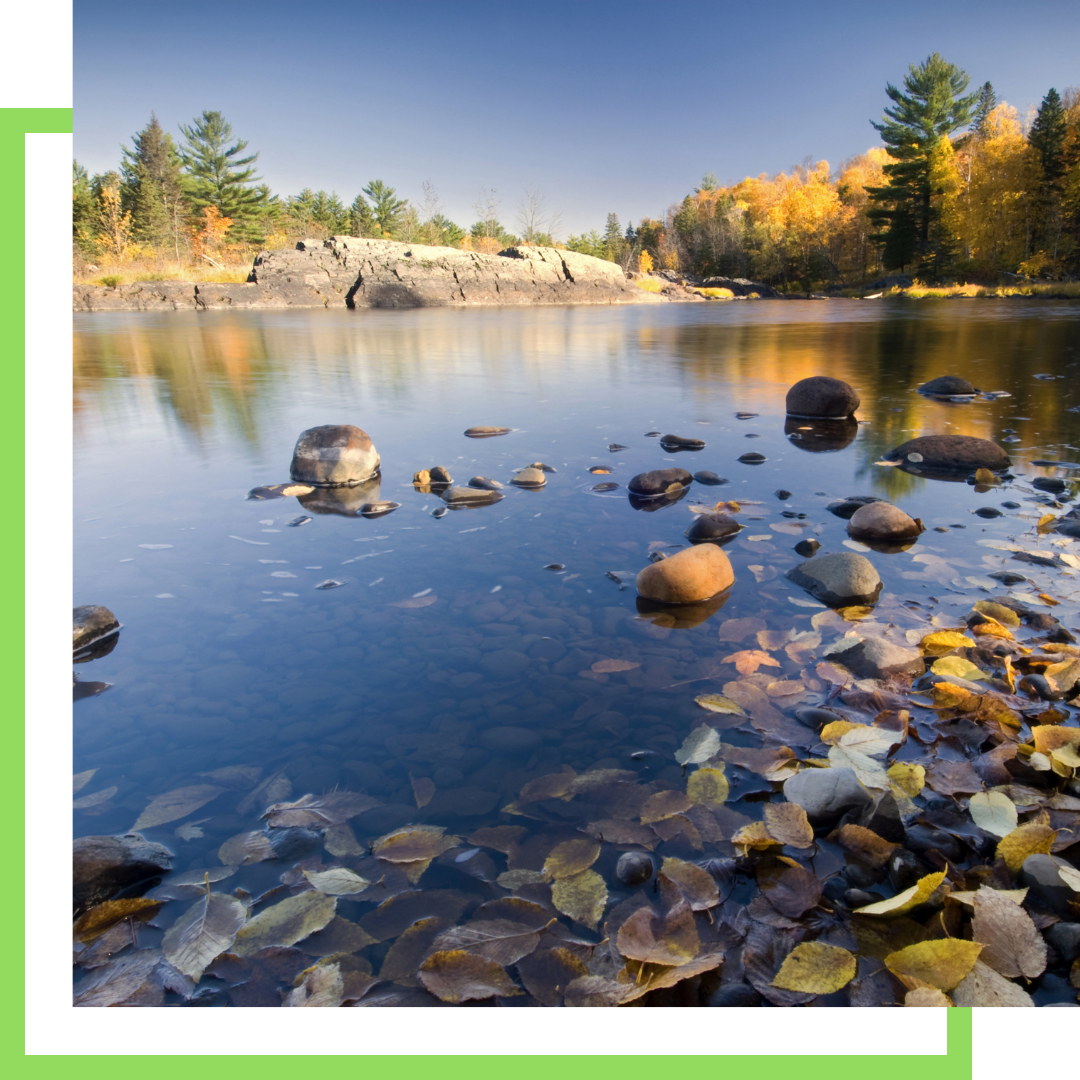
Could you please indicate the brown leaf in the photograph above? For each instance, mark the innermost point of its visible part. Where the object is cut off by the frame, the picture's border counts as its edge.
(235, 776)
(698, 887)
(337, 936)
(245, 849)
(740, 629)
(866, 844)
(285, 923)
(923, 997)
(98, 919)
(984, 987)
(1014, 948)
(788, 823)
(664, 804)
(553, 786)
(503, 940)
(96, 799)
(647, 977)
(753, 837)
(774, 763)
(499, 837)
(318, 811)
(615, 665)
(414, 843)
(596, 991)
(547, 973)
(456, 975)
(423, 790)
(406, 954)
(176, 804)
(127, 981)
(953, 777)
(202, 933)
(323, 987)
(660, 939)
(792, 892)
(765, 950)
(620, 833)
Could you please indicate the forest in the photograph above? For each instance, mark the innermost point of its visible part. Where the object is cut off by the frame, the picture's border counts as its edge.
(961, 189)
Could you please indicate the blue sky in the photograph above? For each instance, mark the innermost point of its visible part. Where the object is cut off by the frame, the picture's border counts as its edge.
(602, 106)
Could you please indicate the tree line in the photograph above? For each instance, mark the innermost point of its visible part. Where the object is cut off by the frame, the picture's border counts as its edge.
(961, 188)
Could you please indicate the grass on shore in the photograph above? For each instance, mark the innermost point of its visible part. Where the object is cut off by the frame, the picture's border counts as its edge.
(1046, 290)
(161, 270)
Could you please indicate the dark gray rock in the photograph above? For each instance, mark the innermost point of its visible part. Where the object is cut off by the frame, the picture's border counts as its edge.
(1065, 937)
(659, 482)
(988, 512)
(710, 479)
(753, 459)
(807, 548)
(951, 454)
(847, 508)
(946, 386)
(1040, 874)
(822, 396)
(91, 624)
(734, 996)
(838, 580)
(103, 865)
(826, 794)
(485, 484)
(876, 658)
(334, 455)
(1052, 484)
(678, 442)
(634, 868)
(711, 527)
(470, 496)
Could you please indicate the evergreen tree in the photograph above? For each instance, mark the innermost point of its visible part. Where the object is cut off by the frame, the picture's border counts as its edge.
(708, 183)
(386, 208)
(613, 239)
(1047, 138)
(987, 100)
(929, 112)
(361, 222)
(151, 187)
(82, 204)
(317, 210)
(218, 176)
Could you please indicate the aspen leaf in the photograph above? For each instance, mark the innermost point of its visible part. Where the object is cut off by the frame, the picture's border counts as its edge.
(994, 812)
(1013, 947)
(815, 968)
(670, 939)
(942, 963)
(569, 858)
(340, 841)
(747, 661)
(772, 640)
(1017, 896)
(552, 786)
(414, 843)
(1070, 876)
(958, 667)
(1031, 839)
(503, 940)
(773, 763)
(499, 837)
(944, 641)
(788, 823)
(206, 930)
(698, 887)
(1004, 615)
(869, 772)
(648, 977)
(904, 901)
(104, 916)
(340, 881)
(547, 972)
(583, 897)
(176, 804)
(595, 991)
(423, 790)
(1050, 737)
(80, 780)
(664, 804)
(316, 812)
(907, 777)
(408, 951)
(286, 922)
(992, 628)
(455, 975)
(953, 777)
(793, 892)
(740, 629)
(832, 732)
(245, 849)
(615, 831)
(983, 987)
(605, 666)
(866, 844)
(924, 997)
(754, 836)
(719, 704)
(700, 745)
(514, 879)
(707, 785)
(323, 988)
(95, 799)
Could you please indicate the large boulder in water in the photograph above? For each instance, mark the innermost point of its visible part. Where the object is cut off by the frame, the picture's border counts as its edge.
(946, 386)
(957, 454)
(711, 527)
(883, 521)
(839, 579)
(659, 482)
(92, 623)
(334, 455)
(689, 576)
(102, 865)
(821, 396)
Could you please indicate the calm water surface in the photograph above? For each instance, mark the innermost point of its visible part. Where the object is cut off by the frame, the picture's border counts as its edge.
(450, 653)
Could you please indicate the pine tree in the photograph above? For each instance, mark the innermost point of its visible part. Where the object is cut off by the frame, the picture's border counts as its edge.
(613, 239)
(152, 188)
(985, 104)
(386, 208)
(929, 112)
(217, 176)
(82, 205)
(361, 222)
(1047, 138)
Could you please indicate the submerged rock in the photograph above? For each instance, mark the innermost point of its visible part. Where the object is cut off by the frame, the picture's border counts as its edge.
(466, 496)
(345, 501)
(90, 624)
(950, 454)
(688, 576)
(102, 865)
(530, 478)
(634, 868)
(876, 658)
(678, 442)
(946, 386)
(847, 508)
(485, 484)
(821, 396)
(712, 527)
(808, 547)
(334, 455)
(483, 431)
(826, 794)
(752, 459)
(839, 580)
(710, 479)
(279, 491)
(659, 482)
(542, 467)
(883, 521)
(378, 509)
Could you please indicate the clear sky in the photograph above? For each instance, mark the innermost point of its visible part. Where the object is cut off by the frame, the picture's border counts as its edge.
(602, 106)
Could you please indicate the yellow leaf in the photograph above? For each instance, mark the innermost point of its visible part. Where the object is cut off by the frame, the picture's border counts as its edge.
(993, 811)
(664, 804)
(707, 785)
(753, 836)
(1044, 521)
(959, 667)
(926, 997)
(999, 612)
(1024, 841)
(1050, 737)
(947, 696)
(456, 975)
(944, 641)
(909, 778)
(570, 858)
(866, 844)
(815, 968)
(719, 704)
(942, 963)
(582, 897)
(904, 901)
(992, 628)
(1047, 599)
(787, 823)
(832, 732)
(413, 843)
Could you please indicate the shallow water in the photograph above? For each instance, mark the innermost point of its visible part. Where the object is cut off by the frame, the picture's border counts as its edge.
(448, 631)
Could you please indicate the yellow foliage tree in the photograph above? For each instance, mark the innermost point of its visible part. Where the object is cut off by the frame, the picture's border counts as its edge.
(114, 235)
(208, 242)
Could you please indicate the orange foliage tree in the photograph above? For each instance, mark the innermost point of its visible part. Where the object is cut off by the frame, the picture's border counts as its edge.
(208, 242)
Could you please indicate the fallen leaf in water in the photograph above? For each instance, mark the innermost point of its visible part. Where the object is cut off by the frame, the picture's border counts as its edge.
(595, 991)
(273, 789)
(615, 831)
(339, 881)
(552, 786)
(907, 777)
(718, 704)
(499, 837)
(414, 843)
(707, 785)
(788, 823)
(771, 640)
(869, 771)
(1031, 839)
(944, 641)
(754, 836)
(323, 987)
(235, 776)
(904, 901)
(80, 780)
(206, 930)
(734, 630)
(176, 804)
(191, 884)
(700, 745)
(455, 975)
(245, 849)
(813, 967)
(96, 799)
(502, 940)
(1017, 896)
(423, 790)
(569, 858)
(286, 922)
(190, 830)
(793, 891)
(415, 601)
(127, 981)
(1013, 947)
(696, 886)
(872, 849)
(992, 628)
(747, 661)
(942, 963)
(102, 917)
(984, 987)
(923, 997)
(664, 804)
(953, 777)
(1050, 737)
(993, 811)
(642, 978)
(408, 951)
(959, 667)
(773, 763)
(660, 939)
(547, 973)
(605, 666)
(318, 811)
(514, 879)
(340, 841)
(583, 897)
(395, 915)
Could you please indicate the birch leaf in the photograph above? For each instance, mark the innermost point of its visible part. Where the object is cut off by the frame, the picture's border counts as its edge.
(206, 930)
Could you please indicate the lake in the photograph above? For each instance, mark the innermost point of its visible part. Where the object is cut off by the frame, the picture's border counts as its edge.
(453, 666)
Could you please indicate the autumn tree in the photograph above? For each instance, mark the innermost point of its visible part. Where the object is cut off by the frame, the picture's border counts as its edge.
(931, 109)
(152, 187)
(216, 175)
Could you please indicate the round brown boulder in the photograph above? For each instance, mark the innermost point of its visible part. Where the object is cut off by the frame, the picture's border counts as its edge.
(883, 521)
(950, 453)
(334, 455)
(820, 396)
(659, 482)
(711, 527)
(689, 576)
(91, 623)
(946, 386)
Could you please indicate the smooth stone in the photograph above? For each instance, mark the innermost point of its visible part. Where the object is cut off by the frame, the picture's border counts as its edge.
(807, 548)
(344, 501)
(679, 442)
(782, 494)
(435, 475)
(541, 466)
(1049, 483)
(608, 485)
(482, 431)
(839, 579)
(615, 447)
(334, 455)
(529, 477)
(822, 396)
(988, 512)
(91, 623)
(711, 527)
(710, 479)
(847, 508)
(745, 415)
(883, 521)
(876, 658)
(279, 491)
(102, 865)
(1065, 937)
(946, 385)
(378, 509)
(659, 482)
(464, 495)
(485, 484)
(820, 436)
(509, 740)
(634, 868)
(753, 459)
(950, 454)
(734, 996)
(687, 577)
(1039, 873)
(826, 794)
(296, 522)
(1007, 577)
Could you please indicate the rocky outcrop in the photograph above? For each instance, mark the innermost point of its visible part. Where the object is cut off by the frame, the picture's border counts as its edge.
(353, 272)
(101, 865)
